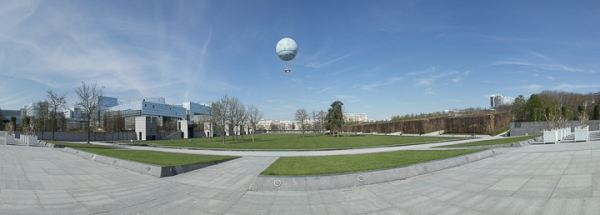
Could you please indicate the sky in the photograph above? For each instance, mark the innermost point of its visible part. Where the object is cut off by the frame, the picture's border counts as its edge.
(382, 58)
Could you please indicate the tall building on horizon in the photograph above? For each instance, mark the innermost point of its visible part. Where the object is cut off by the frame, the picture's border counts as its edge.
(497, 100)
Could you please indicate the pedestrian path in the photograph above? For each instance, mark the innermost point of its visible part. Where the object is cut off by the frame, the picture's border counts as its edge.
(559, 178)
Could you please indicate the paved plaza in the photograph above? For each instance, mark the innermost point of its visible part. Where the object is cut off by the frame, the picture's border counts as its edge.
(535, 179)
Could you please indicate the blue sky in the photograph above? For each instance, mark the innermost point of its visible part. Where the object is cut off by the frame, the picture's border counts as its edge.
(382, 58)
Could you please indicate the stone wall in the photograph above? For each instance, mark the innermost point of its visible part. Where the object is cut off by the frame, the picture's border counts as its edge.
(535, 128)
(82, 136)
(480, 124)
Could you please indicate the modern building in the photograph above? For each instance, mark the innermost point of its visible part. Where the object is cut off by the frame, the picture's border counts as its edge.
(497, 100)
(355, 117)
(104, 102)
(6, 114)
(73, 113)
(32, 109)
(166, 114)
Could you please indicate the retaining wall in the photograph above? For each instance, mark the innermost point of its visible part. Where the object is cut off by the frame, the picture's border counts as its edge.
(144, 168)
(535, 128)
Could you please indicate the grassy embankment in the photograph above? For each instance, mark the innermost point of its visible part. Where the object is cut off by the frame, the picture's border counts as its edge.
(143, 156)
(316, 165)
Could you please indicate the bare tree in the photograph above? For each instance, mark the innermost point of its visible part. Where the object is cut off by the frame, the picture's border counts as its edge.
(237, 115)
(55, 102)
(211, 119)
(301, 116)
(88, 95)
(222, 115)
(254, 116)
(318, 119)
(62, 122)
(242, 117)
(41, 115)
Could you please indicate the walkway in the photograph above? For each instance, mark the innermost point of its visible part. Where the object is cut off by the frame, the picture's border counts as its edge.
(536, 179)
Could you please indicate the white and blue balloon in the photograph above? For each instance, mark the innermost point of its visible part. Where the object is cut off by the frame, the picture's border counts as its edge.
(286, 51)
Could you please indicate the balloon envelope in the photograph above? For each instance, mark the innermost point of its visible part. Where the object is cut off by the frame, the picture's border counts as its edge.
(286, 49)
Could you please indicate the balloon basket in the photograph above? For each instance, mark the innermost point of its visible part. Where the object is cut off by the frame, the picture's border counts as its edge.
(287, 70)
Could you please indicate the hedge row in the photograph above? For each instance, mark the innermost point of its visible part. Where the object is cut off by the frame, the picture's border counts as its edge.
(480, 124)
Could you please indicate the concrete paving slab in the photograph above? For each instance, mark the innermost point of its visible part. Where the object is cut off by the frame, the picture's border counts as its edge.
(535, 179)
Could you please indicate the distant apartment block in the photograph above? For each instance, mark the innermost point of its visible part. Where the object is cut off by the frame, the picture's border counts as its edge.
(355, 117)
(497, 100)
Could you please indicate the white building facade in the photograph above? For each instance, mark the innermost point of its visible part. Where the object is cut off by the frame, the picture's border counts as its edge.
(497, 100)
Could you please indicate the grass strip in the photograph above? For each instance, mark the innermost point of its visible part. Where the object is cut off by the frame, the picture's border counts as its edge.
(295, 141)
(143, 156)
(491, 142)
(316, 165)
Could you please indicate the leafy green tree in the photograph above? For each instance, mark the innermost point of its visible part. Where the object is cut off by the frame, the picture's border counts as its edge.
(580, 109)
(13, 121)
(1, 120)
(518, 108)
(597, 112)
(567, 112)
(535, 107)
(25, 123)
(335, 117)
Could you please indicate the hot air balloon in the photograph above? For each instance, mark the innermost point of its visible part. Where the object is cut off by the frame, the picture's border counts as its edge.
(286, 51)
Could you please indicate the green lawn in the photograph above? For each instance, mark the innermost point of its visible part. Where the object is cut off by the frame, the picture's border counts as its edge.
(492, 142)
(294, 141)
(316, 165)
(151, 157)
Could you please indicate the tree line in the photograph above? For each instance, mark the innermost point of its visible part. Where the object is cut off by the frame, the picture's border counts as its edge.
(46, 116)
(331, 120)
(233, 113)
(547, 104)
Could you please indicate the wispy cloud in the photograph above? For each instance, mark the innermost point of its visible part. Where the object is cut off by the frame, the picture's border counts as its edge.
(373, 86)
(431, 79)
(531, 88)
(567, 87)
(480, 36)
(61, 50)
(322, 58)
(429, 91)
(319, 64)
(421, 72)
(546, 64)
(510, 63)
(324, 90)
(347, 98)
